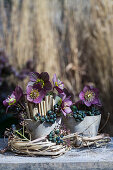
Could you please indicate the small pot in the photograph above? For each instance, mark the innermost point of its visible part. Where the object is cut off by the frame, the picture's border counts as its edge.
(37, 129)
(88, 127)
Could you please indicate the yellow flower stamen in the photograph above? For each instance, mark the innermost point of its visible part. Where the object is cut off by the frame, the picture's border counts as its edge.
(40, 81)
(89, 95)
(56, 84)
(11, 101)
(34, 94)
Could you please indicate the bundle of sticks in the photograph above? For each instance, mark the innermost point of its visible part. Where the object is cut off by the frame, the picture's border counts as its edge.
(42, 146)
(79, 141)
(42, 107)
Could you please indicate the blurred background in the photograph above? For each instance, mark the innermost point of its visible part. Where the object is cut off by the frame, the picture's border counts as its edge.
(72, 38)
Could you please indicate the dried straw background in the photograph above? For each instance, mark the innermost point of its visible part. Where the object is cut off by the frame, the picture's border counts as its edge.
(73, 38)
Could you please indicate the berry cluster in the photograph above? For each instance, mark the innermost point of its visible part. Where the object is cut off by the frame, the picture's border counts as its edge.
(80, 114)
(95, 111)
(50, 116)
(57, 135)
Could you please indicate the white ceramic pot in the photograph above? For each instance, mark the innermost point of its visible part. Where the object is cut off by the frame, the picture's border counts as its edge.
(88, 127)
(37, 129)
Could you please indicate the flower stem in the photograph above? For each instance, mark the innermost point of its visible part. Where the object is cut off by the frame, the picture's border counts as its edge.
(21, 134)
(23, 129)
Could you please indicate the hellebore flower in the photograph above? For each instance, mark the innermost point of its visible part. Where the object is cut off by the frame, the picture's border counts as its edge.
(40, 80)
(14, 98)
(22, 74)
(89, 96)
(58, 85)
(34, 94)
(65, 105)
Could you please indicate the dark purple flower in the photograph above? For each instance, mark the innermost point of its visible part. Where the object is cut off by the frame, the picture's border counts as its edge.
(34, 95)
(58, 85)
(40, 80)
(89, 96)
(22, 74)
(14, 98)
(65, 105)
(30, 65)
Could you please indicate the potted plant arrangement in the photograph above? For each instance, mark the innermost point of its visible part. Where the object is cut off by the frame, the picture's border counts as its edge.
(40, 107)
(86, 113)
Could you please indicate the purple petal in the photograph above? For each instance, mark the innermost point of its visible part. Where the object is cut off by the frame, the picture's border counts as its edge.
(68, 102)
(64, 113)
(33, 76)
(60, 84)
(63, 96)
(38, 100)
(97, 102)
(81, 95)
(54, 79)
(96, 91)
(5, 103)
(29, 88)
(67, 110)
(44, 76)
(58, 89)
(48, 85)
(86, 88)
(30, 83)
(29, 98)
(87, 103)
(12, 95)
(91, 87)
(38, 86)
(67, 98)
(18, 93)
(40, 97)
